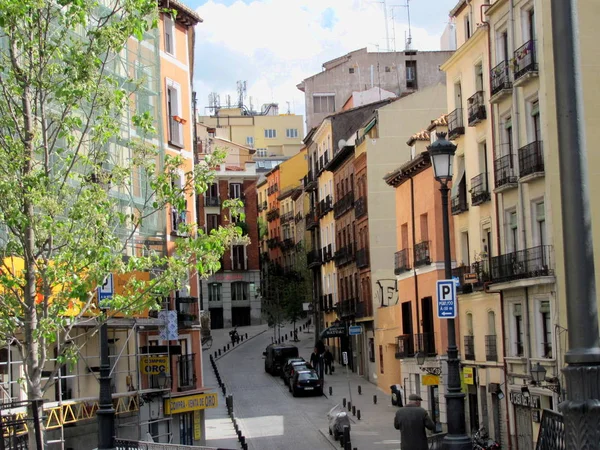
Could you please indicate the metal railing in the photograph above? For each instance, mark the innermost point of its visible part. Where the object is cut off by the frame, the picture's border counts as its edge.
(500, 78)
(344, 255)
(272, 189)
(525, 60)
(273, 214)
(360, 207)
(480, 192)
(469, 347)
(459, 204)
(313, 258)
(422, 255)
(287, 217)
(405, 346)
(504, 172)
(532, 262)
(178, 221)
(491, 348)
(552, 432)
(344, 204)
(216, 201)
(347, 307)
(186, 372)
(425, 342)
(362, 258)
(435, 441)
(456, 125)
(476, 108)
(531, 159)
(126, 444)
(187, 311)
(473, 277)
(401, 261)
(311, 220)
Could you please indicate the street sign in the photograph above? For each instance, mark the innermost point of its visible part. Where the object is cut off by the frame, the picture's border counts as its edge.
(456, 281)
(345, 358)
(106, 291)
(446, 299)
(354, 330)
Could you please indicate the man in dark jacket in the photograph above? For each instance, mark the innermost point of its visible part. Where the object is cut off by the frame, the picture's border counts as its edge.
(412, 420)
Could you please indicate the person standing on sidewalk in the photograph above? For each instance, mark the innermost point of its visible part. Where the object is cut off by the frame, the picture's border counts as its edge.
(328, 358)
(412, 420)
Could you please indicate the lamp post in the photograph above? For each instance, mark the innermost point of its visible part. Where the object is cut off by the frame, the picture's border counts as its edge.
(538, 373)
(441, 153)
(582, 375)
(106, 412)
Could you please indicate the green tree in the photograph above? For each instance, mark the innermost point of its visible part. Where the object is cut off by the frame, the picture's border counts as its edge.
(76, 193)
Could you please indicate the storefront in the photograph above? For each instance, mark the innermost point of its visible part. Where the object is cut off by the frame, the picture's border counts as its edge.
(188, 416)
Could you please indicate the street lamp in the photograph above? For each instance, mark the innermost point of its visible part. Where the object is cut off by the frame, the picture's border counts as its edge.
(420, 356)
(538, 373)
(163, 380)
(441, 153)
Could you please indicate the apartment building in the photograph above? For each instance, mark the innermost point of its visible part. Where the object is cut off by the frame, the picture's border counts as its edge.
(474, 197)
(397, 72)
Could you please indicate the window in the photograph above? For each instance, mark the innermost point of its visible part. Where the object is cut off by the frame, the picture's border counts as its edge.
(388, 69)
(457, 95)
(539, 230)
(291, 133)
(214, 292)
(467, 26)
(169, 34)
(479, 77)
(381, 358)
(250, 141)
(323, 103)
(372, 349)
(503, 47)
(262, 152)
(239, 291)
(270, 133)
(536, 126)
(512, 227)
(507, 141)
(411, 74)
(424, 228)
(174, 113)
(212, 222)
(518, 329)
(235, 190)
(546, 341)
(238, 256)
(351, 70)
(186, 428)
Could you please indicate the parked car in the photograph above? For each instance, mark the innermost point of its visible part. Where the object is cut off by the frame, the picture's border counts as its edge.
(337, 418)
(290, 370)
(306, 382)
(288, 362)
(276, 354)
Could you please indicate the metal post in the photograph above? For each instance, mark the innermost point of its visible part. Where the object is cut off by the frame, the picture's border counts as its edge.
(105, 413)
(36, 405)
(582, 374)
(456, 439)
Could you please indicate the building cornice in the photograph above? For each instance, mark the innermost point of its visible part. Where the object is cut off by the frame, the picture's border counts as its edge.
(460, 52)
(493, 9)
(408, 170)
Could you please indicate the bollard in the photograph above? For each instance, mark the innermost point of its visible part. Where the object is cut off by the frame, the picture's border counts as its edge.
(242, 338)
(358, 414)
(347, 443)
(375, 399)
(219, 352)
(330, 390)
(227, 346)
(353, 410)
(246, 335)
(344, 401)
(349, 406)
(245, 446)
(359, 390)
(224, 349)
(243, 440)
(286, 336)
(239, 433)
(224, 390)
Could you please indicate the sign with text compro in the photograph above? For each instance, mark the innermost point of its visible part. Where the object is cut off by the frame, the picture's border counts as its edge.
(154, 365)
(446, 299)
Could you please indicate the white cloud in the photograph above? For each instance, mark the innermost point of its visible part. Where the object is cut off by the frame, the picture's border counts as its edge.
(275, 44)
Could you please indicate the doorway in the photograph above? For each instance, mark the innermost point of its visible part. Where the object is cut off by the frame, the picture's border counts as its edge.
(473, 409)
(216, 318)
(524, 429)
(428, 340)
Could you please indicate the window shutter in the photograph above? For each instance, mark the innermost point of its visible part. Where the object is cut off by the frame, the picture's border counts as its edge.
(545, 307)
(517, 311)
(540, 212)
(513, 220)
(508, 123)
(535, 108)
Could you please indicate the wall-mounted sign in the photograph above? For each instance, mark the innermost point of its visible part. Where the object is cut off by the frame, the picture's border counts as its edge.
(469, 375)
(470, 278)
(197, 426)
(154, 365)
(196, 402)
(430, 380)
(520, 399)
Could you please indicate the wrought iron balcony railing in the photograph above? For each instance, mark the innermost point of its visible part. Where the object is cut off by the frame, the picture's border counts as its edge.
(480, 192)
(531, 159)
(459, 204)
(472, 278)
(469, 350)
(362, 258)
(287, 217)
(501, 78)
(422, 255)
(272, 214)
(344, 255)
(344, 204)
(272, 189)
(347, 308)
(504, 173)
(491, 349)
(425, 343)
(525, 60)
(216, 201)
(360, 207)
(405, 347)
(311, 221)
(456, 125)
(273, 242)
(476, 108)
(187, 311)
(528, 263)
(401, 261)
(186, 372)
(313, 258)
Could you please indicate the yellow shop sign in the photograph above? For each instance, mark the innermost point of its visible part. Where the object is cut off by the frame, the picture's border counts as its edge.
(468, 375)
(154, 365)
(196, 402)
(430, 380)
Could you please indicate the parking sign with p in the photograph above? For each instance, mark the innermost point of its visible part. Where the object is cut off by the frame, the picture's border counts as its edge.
(446, 299)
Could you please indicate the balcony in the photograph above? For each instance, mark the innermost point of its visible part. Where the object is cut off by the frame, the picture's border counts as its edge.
(531, 159)
(344, 204)
(273, 243)
(311, 221)
(187, 311)
(525, 63)
(401, 261)
(480, 192)
(530, 263)
(469, 351)
(422, 256)
(185, 371)
(344, 255)
(216, 201)
(347, 308)
(272, 189)
(504, 173)
(310, 181)
(500, 79)
(362, 258)
(327, 253)
(273, 214)
(405, 347)
(360, 207)
(425, 343)
(287, 217)
(325, 206)
(287, 244)
(476, 108)
(298, 217)
(456, 125)
(472, 278)
(262, 206)
(491, 349)
(313, 259)
(459, 204)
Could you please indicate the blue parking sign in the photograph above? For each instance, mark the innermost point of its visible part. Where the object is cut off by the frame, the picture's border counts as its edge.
(446, 299)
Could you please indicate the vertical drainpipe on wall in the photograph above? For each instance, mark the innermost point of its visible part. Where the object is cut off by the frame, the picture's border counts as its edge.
(498, 242)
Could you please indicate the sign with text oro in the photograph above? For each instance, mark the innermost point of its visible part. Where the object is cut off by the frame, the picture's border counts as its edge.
(446, 299)
(154, 365)
(191, 403)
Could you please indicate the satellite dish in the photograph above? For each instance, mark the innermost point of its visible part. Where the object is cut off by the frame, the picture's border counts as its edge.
(341, 144)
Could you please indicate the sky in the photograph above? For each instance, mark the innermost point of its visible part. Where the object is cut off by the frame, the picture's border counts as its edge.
(275, 44)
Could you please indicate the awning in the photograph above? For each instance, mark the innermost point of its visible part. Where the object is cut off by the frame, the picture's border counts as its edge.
(460, 173)
(370, 125)
(334, 331)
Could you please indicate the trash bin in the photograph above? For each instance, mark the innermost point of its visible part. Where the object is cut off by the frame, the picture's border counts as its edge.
(396, 395)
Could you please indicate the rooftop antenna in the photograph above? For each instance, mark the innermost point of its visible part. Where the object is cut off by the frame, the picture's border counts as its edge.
(407, 36)
(409, 40)
(288, 103)
(228, 101)
(251, 105)
(241, 89)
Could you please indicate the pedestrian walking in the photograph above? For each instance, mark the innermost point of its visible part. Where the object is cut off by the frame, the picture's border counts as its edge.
(328, 359)
(316, 360)
(412, 420)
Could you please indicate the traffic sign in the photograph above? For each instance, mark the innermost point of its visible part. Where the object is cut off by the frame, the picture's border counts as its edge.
(446, 299)
(345, 358)
(354, 330)
(456, 281)
(106, 291)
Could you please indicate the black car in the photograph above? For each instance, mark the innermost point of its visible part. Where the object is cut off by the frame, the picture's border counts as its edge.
(306, 382)
(275, 356)
(290, 370)
(288, 362)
